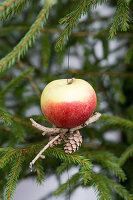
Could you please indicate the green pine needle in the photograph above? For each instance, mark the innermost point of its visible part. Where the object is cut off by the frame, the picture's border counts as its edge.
(40, 171)
(119, 189)
(117, 121)
(129, 55)
(64, 187)
(101, 188)
(85, 164)
(9, 8)
(5, 116)
(71, 20)
(128, 153)
(46, 46)
(22, 47)
(76, 159)
(109, 161)
(7, 157)
(18, 132)
(63, 167)
(13, 83)
(13, 177)
(121, 18)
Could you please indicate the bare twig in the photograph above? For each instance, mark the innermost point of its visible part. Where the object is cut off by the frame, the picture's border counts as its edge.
(58, 31)
(47, 130)
(58, 131)
(92, 119)
(40, 153)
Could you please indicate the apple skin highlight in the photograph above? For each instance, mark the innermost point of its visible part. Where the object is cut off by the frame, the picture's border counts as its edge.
(68, 106)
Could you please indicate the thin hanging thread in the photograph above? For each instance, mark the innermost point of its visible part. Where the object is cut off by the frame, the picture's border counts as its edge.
(68, 42)
(68, 184)
(67, 83)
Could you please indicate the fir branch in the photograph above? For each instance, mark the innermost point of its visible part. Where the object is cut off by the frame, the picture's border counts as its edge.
(63, 167)
(99, 74)
(5, 116)
(7, 149)
(72, 19)
(119, 189)
(9, 118)
(40, 171)
(117, 121)
(18, 131)
(65, 186)
(128, 153)
(121, 18)
(22, 47)
(129, 55)
(85, 174)
(32, 82)
(76, 159)
(8, 156)
(9, 8)
(110, 161)
(21, 121)
(13, 177)
(13, 83)
(85, 164)
(101, 188)
(45, 49)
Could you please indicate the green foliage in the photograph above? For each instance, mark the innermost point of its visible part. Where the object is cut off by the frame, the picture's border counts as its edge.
(22, 47)
(128, 124)
(128, 153)
(121, 18)
(5, 116)
(76, 159)
(13, 177)
(129, 55)
(40, 171)
(105, 44)
(113, 84)
(109, 161)
(86, 165)
(63, 167)
(65, 186)
(13, 83)
(72, 19)
(116, 187)
(7, 157)
(101, 188)
(45, 49)
(9, 8)
(18, 132)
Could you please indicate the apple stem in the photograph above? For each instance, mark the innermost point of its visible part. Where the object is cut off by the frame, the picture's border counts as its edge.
(70, 81)
(59, 131)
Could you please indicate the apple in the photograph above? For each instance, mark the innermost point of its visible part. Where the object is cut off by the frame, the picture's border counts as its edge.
(68, 103)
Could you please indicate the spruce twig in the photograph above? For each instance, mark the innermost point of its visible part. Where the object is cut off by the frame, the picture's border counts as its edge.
(32, 82)
(9, 8)
(22, 47)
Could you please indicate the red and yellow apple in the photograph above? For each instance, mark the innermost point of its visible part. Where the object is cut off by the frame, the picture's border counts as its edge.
(68, 105)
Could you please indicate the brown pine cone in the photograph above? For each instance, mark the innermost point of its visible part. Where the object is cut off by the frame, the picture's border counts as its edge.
(73, 142)
(59, 140)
